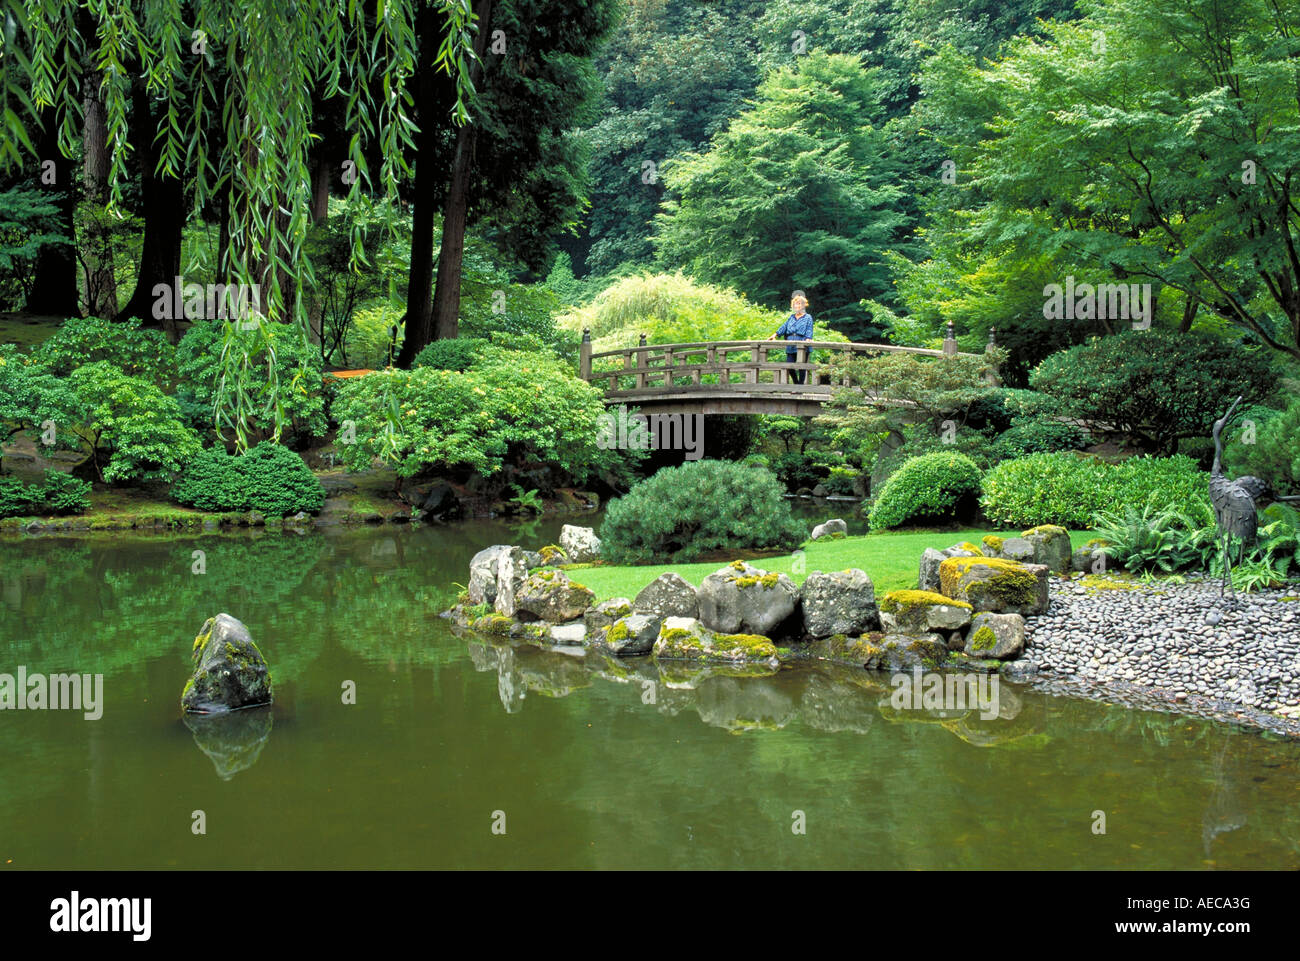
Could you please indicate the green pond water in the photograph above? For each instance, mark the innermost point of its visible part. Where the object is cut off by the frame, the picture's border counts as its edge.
(584, 763)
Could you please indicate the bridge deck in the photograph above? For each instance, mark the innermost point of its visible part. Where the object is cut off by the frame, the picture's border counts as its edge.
(728, 377)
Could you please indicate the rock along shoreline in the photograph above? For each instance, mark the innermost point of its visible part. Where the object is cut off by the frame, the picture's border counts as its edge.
(1024, 608)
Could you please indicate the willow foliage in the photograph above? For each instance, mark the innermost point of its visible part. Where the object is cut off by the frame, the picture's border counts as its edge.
(237, 80)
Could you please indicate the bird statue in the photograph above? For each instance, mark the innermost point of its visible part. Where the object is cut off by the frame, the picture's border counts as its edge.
(1234, 502)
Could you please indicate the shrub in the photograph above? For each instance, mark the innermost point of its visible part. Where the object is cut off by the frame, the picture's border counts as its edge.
(130, 428)
(281, 383)
(81, 341)
(18, 499)
(65, 494)
(1067, 489)
(511, 408)
(1026, 436)
(267, 478)
(59, 494)
(455, 354)
(941, 486)
(1155, 386)
(683, 512)
(1275, 455)
(673, 308)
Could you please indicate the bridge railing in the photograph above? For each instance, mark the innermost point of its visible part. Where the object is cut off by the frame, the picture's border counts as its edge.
(663, 367)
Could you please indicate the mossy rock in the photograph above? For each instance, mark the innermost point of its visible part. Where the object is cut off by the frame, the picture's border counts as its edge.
(995, 584)
(685, 638)
(230, 672)
(922, 612)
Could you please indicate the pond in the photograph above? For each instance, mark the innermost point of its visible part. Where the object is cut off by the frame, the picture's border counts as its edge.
(462, 753)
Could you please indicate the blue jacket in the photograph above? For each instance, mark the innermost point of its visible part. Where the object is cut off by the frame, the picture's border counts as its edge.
(796, 328)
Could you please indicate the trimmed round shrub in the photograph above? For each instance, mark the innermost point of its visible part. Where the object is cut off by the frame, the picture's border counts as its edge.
(684, 512)
(457, 353)
(943, 486)
(1068, 489)
(270, 479)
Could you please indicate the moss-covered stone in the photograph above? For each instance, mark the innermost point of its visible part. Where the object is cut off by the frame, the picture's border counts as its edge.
(229, 670)
(994, 584)
(983, 640)
(992, 542)
(898, 601)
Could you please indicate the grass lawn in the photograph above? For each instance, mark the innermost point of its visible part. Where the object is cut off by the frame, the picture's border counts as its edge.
(890, 559)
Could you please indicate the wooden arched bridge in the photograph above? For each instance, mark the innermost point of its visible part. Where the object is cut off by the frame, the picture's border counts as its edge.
(727, 376)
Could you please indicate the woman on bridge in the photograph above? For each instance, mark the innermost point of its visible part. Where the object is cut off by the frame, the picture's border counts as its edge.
(798, 326)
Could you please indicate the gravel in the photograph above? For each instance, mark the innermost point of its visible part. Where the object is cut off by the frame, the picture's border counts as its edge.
(1181, 643)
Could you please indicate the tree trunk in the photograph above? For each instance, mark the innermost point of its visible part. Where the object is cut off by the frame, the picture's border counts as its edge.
(320, 186)
(163, 207)
(430, 315)
(54, 289)
(97, 255)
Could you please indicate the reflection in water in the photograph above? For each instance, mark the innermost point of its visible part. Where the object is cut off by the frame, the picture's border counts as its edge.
(622, 762)
(233, 740)
(740, 698)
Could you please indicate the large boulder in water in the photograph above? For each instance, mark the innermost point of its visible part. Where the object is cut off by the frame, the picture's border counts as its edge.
(741, 598)
(230, 672)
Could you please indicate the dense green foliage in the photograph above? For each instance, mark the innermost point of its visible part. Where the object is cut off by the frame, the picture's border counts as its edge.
(1127, 147)
(267, 478)
(278, 384)
(1169, 539)
(1275, 454)
(943, 486)
(1067, 489)
(80, 341)
(524, 410)
(1154, 386)
(798, 191)
(681, 513)
(672, 308)
(60, 493)
(456, 353)
(131, 429)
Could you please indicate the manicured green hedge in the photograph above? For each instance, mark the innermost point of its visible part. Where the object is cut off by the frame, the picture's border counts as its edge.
(941, 486)
(1067, 489)
(683, 512)
(268, 478)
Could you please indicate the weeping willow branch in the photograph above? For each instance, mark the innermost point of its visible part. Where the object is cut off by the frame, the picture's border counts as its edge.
(250, 66)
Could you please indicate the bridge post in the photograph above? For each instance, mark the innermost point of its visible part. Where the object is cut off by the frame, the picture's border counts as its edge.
(949, 342)
(584, 355)
(994, 375)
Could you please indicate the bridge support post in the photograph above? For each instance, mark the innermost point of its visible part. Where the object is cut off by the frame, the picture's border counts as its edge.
(949, 342)
(584, 355)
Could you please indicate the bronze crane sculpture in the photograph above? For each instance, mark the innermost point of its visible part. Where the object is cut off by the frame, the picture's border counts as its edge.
(1234, 502)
